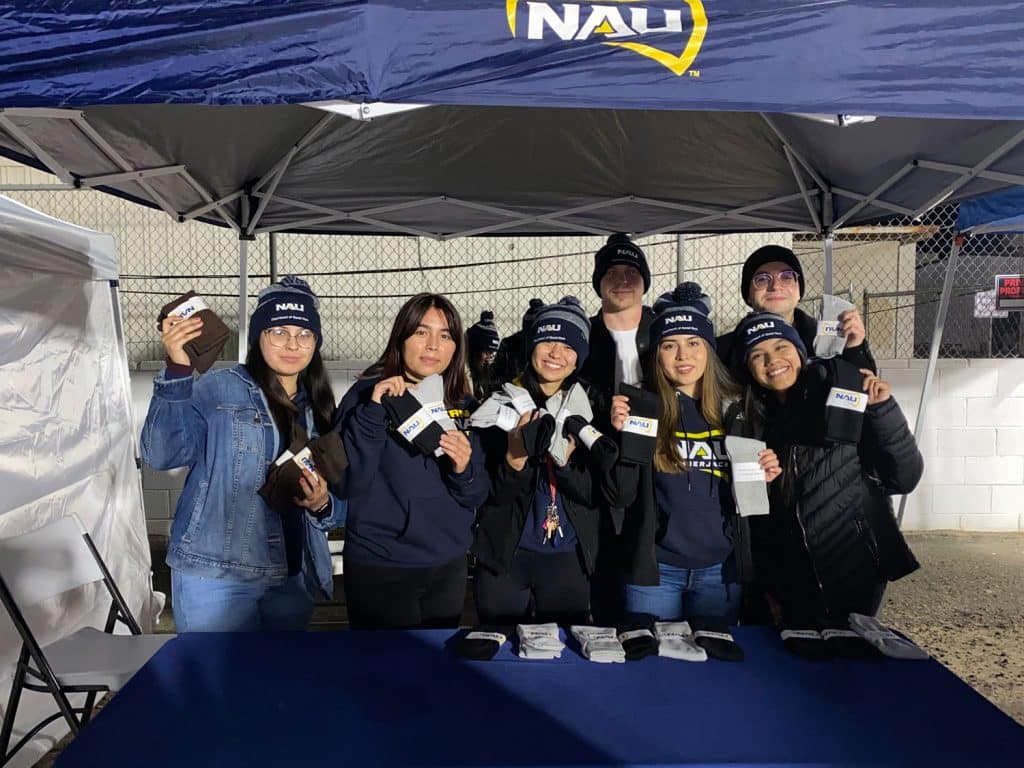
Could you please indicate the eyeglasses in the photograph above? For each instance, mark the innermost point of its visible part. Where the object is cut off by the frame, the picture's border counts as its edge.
(787, 277)
(278, 337)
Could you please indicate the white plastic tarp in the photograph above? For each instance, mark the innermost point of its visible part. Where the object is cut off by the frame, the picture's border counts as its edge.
(66, 427)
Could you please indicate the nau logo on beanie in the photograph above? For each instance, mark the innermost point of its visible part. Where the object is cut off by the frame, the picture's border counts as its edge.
(289, 306)
(549, 328)
(760, 327)
(679, 319)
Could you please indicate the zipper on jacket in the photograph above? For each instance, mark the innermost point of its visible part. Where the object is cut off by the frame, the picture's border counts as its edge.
(803, 529)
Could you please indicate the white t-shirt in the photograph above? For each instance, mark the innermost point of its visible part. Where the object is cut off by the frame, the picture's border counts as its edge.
(627, 358)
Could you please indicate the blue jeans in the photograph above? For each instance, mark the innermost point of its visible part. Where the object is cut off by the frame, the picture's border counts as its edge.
(202, 604)
(685, 593)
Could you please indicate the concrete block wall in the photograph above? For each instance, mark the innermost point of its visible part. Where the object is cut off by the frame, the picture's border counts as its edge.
(973, 444)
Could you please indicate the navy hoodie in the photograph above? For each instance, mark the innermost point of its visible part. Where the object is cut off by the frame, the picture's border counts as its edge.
(405, 509)
(691, 522)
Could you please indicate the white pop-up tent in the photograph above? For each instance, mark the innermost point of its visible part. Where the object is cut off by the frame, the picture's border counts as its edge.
(67, 442)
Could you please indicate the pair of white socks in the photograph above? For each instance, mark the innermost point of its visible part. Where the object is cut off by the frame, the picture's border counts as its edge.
(884, 639)
(539, 641)
(600, 644)
(675, 641)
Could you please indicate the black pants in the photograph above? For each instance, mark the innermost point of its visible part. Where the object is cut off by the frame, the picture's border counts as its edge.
(386, 597)
(538, 587)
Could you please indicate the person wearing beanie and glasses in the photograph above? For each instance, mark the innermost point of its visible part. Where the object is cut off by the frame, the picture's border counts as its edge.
(830, 542)
(512, 355)
(537, 532)
(773, 281)
(680, 524)
(482, 342)
(410, 511)
(236, 564)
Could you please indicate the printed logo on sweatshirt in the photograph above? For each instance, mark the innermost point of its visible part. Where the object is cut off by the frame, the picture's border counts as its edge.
(704, 451)
(654, 29)
(289, 306)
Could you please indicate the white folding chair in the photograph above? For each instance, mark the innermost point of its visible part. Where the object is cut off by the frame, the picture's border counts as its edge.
(39, 565)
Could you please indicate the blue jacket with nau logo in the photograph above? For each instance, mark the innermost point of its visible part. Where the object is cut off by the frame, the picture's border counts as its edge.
(219, 426)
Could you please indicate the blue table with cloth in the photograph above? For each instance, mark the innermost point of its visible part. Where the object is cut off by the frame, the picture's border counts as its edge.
(406, 699)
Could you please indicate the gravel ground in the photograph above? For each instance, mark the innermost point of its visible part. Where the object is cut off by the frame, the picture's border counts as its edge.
(965, 606)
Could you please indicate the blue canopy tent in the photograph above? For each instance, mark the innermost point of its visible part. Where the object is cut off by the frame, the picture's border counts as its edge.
(543, 118)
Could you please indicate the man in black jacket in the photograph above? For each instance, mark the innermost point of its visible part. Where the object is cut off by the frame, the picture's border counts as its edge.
(773, 281)
(618, 352)
(618, 335)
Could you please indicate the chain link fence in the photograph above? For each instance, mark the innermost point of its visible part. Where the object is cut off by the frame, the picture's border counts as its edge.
(894, 272)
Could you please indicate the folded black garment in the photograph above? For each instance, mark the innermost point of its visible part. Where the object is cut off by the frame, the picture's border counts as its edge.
(638, 641)
(805, 642)
(329, 456)
(204, 350)
(846, 400)
(537, 435)
(283, 485)
(640, 433)
(412, 421)
(844, 643)
(602, 448)
(482, 643)
(713, 636)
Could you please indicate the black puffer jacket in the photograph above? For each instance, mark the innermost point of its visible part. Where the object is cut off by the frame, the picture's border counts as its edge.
(500, 520)
(831, 538)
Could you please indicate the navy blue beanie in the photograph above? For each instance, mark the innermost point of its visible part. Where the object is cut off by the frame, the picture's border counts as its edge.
(760, 326)
(482, 336)
(683, 311)
(565, 322)
(289, 302)
(620, 250)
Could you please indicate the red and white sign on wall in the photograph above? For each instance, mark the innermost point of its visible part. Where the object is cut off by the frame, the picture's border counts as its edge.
(1009, 293)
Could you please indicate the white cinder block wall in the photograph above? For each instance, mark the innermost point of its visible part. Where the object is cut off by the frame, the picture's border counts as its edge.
(973, 444)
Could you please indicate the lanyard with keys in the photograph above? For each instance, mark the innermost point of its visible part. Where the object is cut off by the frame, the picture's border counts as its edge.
(552, 524)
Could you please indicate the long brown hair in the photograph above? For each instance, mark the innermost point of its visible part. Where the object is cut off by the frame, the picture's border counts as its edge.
(282, 410)
(717, 389)
(408, 319)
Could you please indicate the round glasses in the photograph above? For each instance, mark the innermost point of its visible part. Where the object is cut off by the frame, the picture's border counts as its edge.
(278, 337)
(786, 277)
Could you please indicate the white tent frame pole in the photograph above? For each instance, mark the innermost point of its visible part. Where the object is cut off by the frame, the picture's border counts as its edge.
(277, 173)
(115, 157)
(799, 157)
(826, 280)
(972, 172)
(40, 154)
(680, 257)
(803, 187)
(1009, 178)
(243, 298)
(210, 205)
(215, 204)
(141, 173)
(875, 194)
(878, 203)
(40, 188)
(933, 353)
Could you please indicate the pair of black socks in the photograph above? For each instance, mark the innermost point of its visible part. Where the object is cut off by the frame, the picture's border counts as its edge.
(639, 436)
(823, 640)
(204, 350)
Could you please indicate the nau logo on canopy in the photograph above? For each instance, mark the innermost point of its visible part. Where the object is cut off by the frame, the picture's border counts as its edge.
(655, 29)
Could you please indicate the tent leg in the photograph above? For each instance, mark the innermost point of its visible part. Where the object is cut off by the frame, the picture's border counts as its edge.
(826, 286)
(273, 257)
(933, 354)
(680, 257)
(243, 299)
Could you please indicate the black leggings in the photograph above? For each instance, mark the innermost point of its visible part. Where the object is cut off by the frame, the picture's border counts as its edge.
(386, 597)
(538, 587)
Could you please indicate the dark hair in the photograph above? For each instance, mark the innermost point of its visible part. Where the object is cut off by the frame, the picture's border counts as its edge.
(282, 410)
(408, 319)
(531, 383)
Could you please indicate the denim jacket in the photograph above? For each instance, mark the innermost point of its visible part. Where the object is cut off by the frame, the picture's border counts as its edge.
(219, 426)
